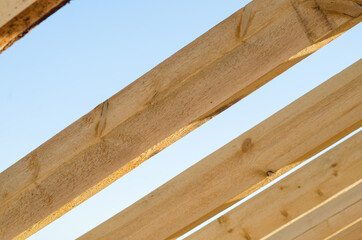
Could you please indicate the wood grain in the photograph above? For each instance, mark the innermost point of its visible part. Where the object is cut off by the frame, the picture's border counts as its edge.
(231, 60)
(18, 17)
(352, 231)
(292, 135)
(291, 197)
(324, 219)
(348, 214)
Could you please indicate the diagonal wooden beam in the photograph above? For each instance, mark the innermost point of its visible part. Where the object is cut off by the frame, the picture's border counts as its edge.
(227, 63)
(338, 220)
(18, 17)
(291, 197)
(352, 231)
(294, 134)
(324, 219)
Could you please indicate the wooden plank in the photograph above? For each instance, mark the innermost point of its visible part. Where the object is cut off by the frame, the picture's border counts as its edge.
(18, 17)
(352, 231)
(338, 220)
(336, 212)
(291, 197)
(224, 65)
(355, 235)
(292, 135)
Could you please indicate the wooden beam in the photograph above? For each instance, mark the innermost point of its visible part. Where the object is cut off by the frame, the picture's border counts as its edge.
(18, 17)
(352, 231)
(355, 235)
(227, 63)
(329, 225)
(291, 197)
(336, 212)
(294, 134)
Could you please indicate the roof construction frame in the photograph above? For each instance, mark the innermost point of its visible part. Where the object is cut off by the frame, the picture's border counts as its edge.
(227, 63)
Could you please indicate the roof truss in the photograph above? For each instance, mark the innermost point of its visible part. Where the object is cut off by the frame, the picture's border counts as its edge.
(227, 63)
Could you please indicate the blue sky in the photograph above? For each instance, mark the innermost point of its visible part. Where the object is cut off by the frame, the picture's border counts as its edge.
(89, 50)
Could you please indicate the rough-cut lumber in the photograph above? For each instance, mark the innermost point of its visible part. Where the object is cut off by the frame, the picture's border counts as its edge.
(17, 17)
(225, 64)
(292, 135)
(352, 231)
(324, 219)
(354, 235)
(291, 197)
(338, 220)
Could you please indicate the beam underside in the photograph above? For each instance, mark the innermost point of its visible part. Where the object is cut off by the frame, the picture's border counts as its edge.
(290, 136)
(18, 17)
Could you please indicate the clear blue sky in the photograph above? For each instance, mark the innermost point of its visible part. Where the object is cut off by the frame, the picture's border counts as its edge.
(89, 50)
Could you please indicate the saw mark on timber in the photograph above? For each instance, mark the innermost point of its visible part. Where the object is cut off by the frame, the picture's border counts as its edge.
(33, 165)
(321, 7)
(303, 22)
(246, 18)
(349, 8)
(152, 98)
(103, 119)
(321, 10)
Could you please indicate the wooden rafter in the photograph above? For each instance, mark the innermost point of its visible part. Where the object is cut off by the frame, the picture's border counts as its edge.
(324, 219)
(224, 65)
(18, 17)
(328, 226)
(297, 132)
(352, 231)
(293, 196)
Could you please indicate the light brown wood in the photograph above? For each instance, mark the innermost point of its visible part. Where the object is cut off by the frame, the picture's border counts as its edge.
(18, 17)
(222, 66)
(338, 220)
(355, 235)
(291, 197)
(352, 231)
(292, 135)
(324, 219)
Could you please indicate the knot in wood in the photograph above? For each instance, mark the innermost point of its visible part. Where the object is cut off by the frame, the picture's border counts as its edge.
(247, 144)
